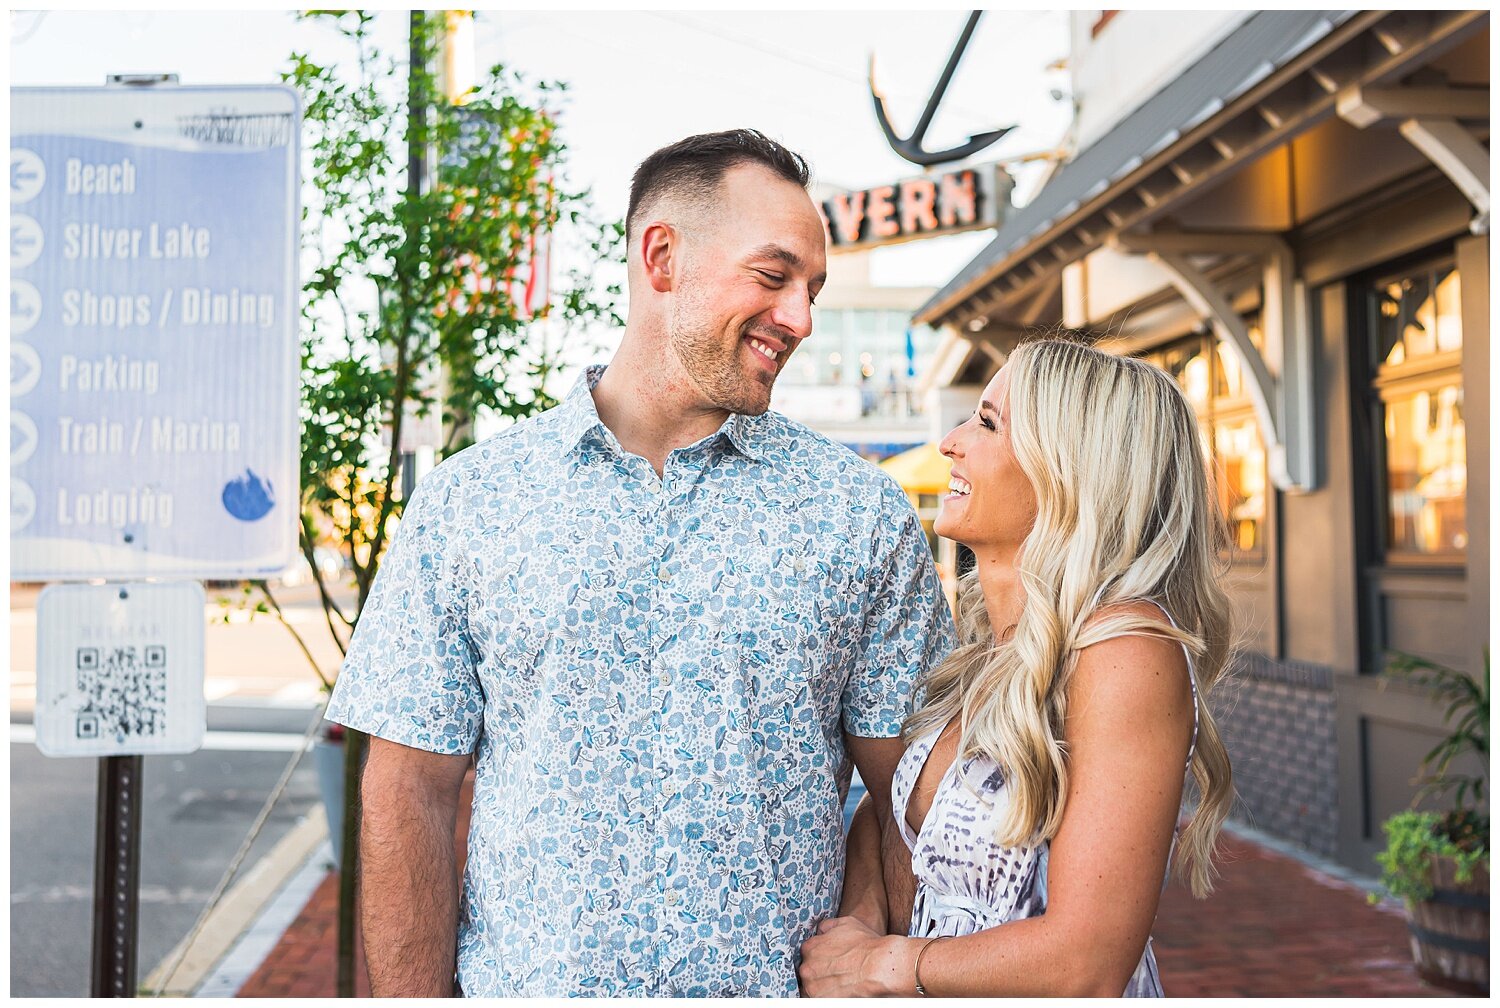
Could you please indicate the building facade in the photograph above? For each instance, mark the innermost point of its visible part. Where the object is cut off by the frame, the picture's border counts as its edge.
(1288, 211)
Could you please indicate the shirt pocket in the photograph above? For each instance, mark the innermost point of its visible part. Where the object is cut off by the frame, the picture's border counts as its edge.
(788, 649)
(510, 635)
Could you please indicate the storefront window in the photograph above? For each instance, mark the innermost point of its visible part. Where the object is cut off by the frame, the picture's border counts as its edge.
(1187, 362)
(867, 348)
(1242, 481)
(1425, 472)
(1211, 378)
(1229, 374)
(1418, 384)
(1417, 316)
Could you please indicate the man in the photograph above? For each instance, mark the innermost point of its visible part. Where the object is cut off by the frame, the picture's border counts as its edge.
(668, 619)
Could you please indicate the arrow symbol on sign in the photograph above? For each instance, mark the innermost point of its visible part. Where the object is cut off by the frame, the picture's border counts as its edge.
(20, 175)
(20, 307)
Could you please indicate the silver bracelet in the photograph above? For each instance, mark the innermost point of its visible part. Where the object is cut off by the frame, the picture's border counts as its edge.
(916, 970)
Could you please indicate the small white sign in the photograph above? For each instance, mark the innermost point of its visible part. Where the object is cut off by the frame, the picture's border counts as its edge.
(120, 669)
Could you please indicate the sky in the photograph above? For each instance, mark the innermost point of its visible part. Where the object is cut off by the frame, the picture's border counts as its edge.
(638, 80)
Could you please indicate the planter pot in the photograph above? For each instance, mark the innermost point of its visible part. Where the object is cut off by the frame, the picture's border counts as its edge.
(328, 758)
(1450, 933)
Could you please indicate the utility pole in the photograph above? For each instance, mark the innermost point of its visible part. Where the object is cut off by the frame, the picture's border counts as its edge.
(458, 79)
(355, 741)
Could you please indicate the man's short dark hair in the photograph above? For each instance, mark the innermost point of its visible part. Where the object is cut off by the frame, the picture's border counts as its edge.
(695, 166)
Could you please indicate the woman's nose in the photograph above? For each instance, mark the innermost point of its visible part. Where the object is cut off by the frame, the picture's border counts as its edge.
(949, 445)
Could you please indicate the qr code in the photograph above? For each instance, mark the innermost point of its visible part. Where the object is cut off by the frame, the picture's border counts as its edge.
(124, 690)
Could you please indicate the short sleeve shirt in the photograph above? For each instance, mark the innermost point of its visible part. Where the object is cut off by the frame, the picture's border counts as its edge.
(657, 674)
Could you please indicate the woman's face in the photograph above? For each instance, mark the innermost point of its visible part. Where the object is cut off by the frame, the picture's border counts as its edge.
(990, 503)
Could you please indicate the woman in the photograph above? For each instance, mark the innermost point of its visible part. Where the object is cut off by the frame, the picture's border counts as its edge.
(1041, 784)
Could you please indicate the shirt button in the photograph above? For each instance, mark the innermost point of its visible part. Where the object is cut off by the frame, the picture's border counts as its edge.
(673, 897)
(664, 575)
(798, 565)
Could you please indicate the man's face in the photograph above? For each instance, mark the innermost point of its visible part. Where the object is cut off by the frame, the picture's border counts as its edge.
(751, 268)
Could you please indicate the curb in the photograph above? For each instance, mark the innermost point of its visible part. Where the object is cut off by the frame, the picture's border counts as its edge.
(257, 944)
(241, 906)
(1317, 862)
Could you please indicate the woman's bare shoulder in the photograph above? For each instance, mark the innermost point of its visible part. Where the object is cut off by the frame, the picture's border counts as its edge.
(1135, 669)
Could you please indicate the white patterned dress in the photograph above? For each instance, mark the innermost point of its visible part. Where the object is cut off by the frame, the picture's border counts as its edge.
(966, 881)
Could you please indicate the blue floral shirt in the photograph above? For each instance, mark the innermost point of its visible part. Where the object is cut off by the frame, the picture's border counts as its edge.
(658, 674)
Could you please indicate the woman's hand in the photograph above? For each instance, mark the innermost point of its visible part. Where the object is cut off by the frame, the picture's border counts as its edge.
(847, 959)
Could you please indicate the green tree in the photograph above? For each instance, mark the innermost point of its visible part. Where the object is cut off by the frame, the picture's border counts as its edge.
(411, 302)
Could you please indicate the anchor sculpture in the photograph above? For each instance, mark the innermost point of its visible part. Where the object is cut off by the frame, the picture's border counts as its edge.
(911, 147)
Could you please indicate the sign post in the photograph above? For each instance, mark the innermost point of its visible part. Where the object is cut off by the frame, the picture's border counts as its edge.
(117, 877)
(154, 416)
(119, 670)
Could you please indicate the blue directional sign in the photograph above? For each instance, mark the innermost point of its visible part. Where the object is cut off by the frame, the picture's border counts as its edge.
(153, 314)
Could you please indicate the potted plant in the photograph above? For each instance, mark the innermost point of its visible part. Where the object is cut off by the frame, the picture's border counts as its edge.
(328, 758)
(1439, 862)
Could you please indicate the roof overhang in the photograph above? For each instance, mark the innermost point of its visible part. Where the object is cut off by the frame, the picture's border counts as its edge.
(1274, 77)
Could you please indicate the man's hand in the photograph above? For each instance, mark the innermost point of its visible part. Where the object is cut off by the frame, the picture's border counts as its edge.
(408, 877)
(847, 959)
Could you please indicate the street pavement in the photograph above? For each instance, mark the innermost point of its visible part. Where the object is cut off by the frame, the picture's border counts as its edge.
(196, 812)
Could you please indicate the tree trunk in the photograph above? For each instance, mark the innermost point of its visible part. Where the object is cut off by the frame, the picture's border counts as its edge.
(354, 751)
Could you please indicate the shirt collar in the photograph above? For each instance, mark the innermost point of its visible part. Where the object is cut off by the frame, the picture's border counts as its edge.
(580, 417)
(579, 414)
(748, 434)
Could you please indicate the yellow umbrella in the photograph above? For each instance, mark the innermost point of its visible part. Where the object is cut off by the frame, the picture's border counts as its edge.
(920, 470)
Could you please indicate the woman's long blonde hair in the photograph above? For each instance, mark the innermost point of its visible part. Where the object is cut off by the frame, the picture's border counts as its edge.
(1124, 513)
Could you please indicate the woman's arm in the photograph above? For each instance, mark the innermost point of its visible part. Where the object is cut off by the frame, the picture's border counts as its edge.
(1129, 724)
(873, 838)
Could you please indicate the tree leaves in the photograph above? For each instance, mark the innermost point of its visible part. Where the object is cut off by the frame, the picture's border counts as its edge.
(409, 302)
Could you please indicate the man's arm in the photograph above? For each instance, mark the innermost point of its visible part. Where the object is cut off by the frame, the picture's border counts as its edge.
(408, 877)
(862, 863)
(878, 883)
(907, 633)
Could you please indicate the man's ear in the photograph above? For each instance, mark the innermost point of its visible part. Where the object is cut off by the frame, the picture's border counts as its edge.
(661, 253)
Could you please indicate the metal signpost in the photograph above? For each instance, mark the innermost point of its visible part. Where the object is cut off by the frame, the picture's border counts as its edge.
(154, 425)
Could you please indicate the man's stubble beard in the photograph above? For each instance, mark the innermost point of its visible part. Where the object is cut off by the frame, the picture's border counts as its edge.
(718, 370)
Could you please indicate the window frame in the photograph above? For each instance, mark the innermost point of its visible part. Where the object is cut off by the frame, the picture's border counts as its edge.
(1380, 383)
(1216, 410)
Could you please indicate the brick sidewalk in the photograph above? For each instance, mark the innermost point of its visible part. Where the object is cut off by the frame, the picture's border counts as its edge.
(1273, 928)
